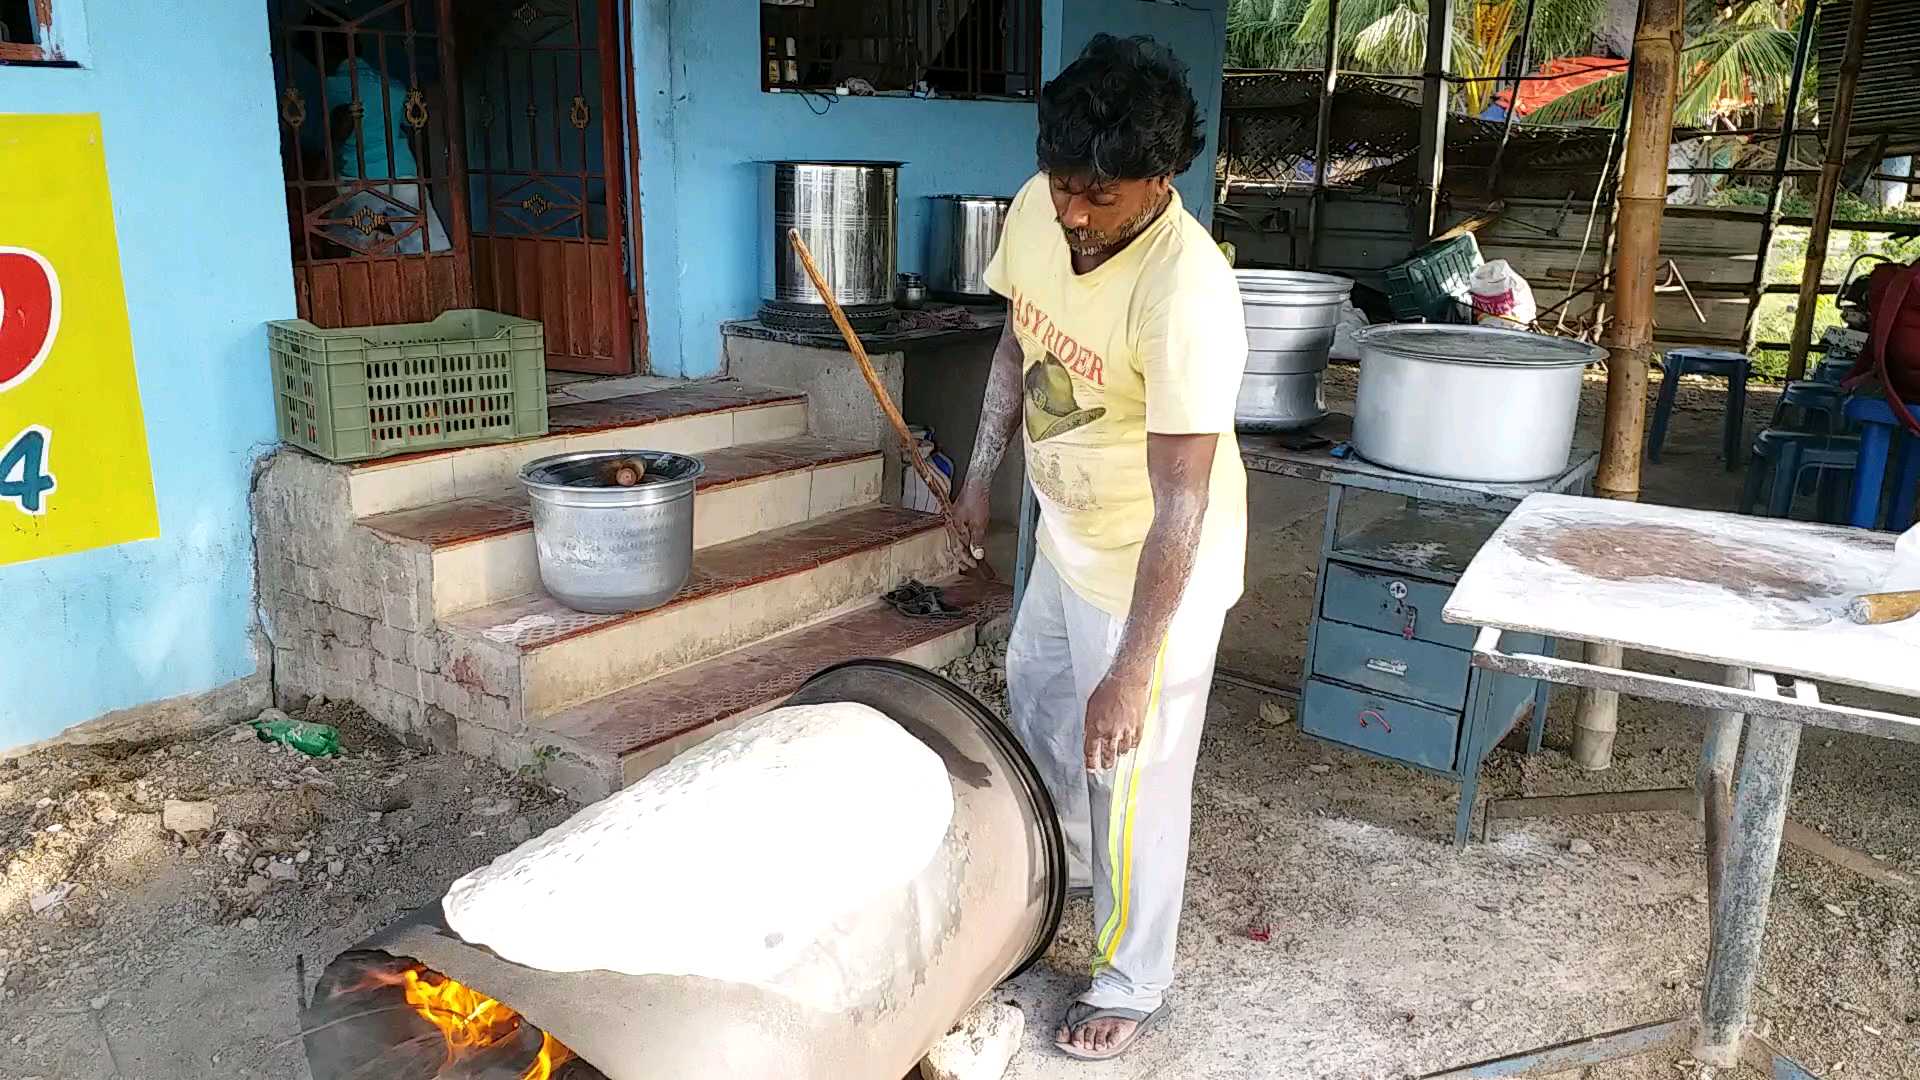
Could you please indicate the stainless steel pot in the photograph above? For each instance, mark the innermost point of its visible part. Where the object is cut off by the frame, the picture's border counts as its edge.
(605, 548)
(1468, 402)
(966, 233)
(1290, 318)
(848, 213)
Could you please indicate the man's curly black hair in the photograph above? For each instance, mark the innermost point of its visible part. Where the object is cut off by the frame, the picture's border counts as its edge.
(1122, 111)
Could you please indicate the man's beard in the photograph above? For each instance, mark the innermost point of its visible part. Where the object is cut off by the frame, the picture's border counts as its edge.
(1101, 242)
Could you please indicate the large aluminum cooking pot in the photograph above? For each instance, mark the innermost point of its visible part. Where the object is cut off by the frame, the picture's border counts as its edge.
(848, 213)
(1290, 317)
(1468, 402)
(965, 233)
(606, 548)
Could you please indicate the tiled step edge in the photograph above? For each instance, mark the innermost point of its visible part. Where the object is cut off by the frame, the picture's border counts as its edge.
(614, 740)
(483, 545)
(695, 418)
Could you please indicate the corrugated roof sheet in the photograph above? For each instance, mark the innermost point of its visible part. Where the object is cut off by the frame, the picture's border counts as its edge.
(1885, 101)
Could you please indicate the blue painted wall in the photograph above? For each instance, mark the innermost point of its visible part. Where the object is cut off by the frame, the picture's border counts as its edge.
(201, 218)
(705, 123)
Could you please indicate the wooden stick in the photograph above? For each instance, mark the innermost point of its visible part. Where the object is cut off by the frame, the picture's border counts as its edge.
(907, 441)
(1876, 608)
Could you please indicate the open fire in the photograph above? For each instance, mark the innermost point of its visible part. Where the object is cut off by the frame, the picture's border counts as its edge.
(375, 1015)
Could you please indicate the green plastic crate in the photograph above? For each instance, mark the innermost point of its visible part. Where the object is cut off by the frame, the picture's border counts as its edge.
(364, 392)
(1433, 283)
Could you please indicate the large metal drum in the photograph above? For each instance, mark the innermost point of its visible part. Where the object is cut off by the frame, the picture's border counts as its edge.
(965, 233)
(848, 213)
(1290, 315)
(1468, 402)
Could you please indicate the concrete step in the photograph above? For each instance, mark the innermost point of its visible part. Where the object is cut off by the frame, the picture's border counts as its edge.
(694, 418)
(482, 545)
(599, 745)
(515, 662)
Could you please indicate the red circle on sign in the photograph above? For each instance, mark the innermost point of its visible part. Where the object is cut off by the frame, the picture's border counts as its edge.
(29, 313)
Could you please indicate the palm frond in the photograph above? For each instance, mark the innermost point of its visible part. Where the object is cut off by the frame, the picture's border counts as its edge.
(1396, 42)
(1596, 103)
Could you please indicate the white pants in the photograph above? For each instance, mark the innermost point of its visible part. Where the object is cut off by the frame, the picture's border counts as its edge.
(1126, 827)
(381, 199)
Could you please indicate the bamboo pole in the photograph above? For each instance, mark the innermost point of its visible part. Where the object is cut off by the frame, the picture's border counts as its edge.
(1323, 122)
(1433, 117)
(1829, 191)
(1642, 200)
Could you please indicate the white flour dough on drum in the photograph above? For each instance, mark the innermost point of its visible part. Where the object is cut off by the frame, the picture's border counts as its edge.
(725, 863)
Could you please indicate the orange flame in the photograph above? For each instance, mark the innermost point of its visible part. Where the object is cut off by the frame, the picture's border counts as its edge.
(471, 1021)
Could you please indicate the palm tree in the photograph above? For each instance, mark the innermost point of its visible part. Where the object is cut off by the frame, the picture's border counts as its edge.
(1735, 63)
(1390, 36)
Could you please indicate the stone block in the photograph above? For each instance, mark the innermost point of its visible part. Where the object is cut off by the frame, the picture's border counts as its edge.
(388, 642)
(349, 628)
(423, 652)
(980, 1046)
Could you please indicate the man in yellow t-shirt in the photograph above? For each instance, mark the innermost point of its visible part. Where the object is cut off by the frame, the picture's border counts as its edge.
(1120, 364)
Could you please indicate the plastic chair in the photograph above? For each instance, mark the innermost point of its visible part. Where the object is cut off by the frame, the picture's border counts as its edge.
(1817, 408)
(1882, 438)
(1730, 365)
(1785, 457)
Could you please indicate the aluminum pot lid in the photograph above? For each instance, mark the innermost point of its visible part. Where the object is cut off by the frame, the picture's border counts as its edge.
(1003, 200)
(1483, 346)
(1291, 282)
(582, 470)
(835, 164)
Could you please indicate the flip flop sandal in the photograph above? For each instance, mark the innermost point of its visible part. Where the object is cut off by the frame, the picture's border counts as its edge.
(1080, 1014)
(921, 601)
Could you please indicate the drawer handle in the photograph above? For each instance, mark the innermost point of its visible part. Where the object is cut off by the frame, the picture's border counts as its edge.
(1381, 720)
(1395, 668)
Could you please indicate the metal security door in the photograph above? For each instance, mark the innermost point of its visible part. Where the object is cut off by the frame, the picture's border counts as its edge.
(379, 232)
(541, 82)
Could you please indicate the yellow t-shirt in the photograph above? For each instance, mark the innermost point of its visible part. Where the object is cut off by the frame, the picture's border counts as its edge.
(1152, 340)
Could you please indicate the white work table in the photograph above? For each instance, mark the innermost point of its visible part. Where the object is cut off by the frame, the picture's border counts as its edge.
(1765, 600)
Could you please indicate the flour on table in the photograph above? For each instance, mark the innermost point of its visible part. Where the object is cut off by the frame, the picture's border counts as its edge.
(728, 862)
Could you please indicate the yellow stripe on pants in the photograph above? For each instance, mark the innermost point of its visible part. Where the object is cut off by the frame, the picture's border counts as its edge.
(1120, 814)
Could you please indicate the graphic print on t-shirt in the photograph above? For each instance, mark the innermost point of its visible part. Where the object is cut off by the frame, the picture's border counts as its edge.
(1052, 406)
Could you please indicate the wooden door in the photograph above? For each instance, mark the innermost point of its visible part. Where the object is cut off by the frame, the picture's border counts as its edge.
(542, 92)
(378, 226)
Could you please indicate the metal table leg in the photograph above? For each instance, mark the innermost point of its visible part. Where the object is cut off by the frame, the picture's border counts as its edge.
(1752, 850)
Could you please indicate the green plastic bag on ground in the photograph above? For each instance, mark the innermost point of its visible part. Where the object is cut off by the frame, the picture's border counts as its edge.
(313, 740)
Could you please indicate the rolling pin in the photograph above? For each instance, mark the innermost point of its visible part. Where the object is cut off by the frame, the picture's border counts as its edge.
(1874, 609)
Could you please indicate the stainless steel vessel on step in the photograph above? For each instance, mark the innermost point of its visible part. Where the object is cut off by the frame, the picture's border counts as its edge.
(1290, 318)
(606, 548)
(1468, 402)
(848, 212)
(965, 233)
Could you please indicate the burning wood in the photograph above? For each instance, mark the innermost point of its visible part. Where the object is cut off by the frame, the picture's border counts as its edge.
(377, 1016)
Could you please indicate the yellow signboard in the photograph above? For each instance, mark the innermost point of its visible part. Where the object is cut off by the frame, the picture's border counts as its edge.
(74, 472)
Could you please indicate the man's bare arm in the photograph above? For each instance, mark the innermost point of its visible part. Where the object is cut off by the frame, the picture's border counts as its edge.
(1179, 467)
(999, 419)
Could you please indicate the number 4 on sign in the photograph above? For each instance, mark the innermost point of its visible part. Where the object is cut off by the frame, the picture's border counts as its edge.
(24, 479)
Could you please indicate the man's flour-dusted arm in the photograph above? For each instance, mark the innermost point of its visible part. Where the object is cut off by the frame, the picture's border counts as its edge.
(999, 419)
(1179, 468)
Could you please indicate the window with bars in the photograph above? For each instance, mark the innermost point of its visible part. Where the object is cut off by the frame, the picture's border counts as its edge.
(26, 32)
(947, 48)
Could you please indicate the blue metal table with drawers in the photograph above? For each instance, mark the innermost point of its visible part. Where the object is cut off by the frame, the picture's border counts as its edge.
(1384, 675)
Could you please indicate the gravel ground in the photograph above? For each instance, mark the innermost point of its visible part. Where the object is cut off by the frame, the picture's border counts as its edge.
(1332, 933)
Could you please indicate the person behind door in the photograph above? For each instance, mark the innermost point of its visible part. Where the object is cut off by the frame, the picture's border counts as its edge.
(1120, 364)
(368, 122)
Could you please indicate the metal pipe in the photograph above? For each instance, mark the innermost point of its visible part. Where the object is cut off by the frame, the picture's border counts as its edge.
(1433, 117)
(1829, 190)
(1323, 122)
(1513, 105)
(985, 907)
(1746, 886)
(1782, 155)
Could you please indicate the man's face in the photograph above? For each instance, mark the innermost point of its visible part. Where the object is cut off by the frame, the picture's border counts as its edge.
(1100, 218)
